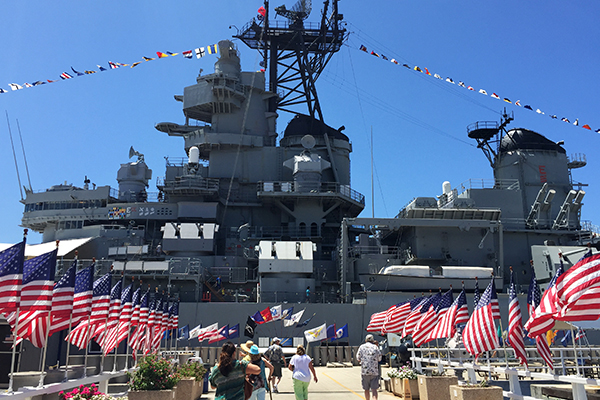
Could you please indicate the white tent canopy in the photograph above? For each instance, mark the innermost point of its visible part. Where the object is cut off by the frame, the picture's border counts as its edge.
(64, 247)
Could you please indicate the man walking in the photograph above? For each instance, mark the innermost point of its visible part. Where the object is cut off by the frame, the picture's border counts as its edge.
(368, 356)
(275, 355)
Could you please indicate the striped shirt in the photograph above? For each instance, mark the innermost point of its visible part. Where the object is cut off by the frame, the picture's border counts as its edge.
(230, 387)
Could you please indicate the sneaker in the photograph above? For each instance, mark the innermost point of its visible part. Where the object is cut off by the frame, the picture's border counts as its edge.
(275, 390)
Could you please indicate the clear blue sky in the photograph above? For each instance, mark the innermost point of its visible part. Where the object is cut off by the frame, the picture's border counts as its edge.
(542, 53)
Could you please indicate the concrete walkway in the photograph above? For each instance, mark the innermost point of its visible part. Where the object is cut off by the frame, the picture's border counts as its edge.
(334, 383)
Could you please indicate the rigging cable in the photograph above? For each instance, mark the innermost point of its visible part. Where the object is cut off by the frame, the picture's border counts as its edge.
(24, 157)
(14, 154)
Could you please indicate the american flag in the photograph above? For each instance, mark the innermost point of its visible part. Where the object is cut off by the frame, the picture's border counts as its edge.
(161, 325)
(542, 318)
(578, 290)
(414, 316)
(208, 332)
(62, 303)
(515, 323)
(396, 315)
(462, 310)
(135, 302)
(174, 315)
(36, 294)
(136, 338)
(480, 332)
(81, 335)
(153, 319)
(63, 293)
(427, 322)
(125, 316)
(11, 277)
(84, 291)
(533, 301)
(376, 322)
(106, 333)
(446, 317)
(38, 282)
(495, 303)
(476, 293)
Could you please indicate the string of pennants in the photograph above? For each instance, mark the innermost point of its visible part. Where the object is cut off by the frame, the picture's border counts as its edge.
(189, 54)
(481, 91)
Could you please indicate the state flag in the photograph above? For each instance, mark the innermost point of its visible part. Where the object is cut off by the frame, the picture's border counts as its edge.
(331, 331)
(341, 333)
(293, 319)
(316, 334)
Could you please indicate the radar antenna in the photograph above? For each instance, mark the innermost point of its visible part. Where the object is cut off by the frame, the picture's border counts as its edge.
(488, 133)
(301, 51)
(299, 12)
(139, 155)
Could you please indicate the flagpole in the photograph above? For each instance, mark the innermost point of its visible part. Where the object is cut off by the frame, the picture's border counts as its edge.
(14, 349)
(575, 351)
(66, 378)
(87, 342)
(45, 351)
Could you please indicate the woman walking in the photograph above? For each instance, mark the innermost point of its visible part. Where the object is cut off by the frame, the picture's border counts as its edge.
(260, 382)
(301, 366)
(228, 376)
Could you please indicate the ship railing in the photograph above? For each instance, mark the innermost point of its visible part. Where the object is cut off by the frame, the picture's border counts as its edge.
(182, 161)
(503, 184)
(577, 366)
(275, 232)
(185, 182)
(294, 188)
(324, 297)
(588, 226)
(356, 251)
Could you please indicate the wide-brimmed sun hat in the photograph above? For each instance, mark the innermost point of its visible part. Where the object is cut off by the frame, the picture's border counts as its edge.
(246, 346)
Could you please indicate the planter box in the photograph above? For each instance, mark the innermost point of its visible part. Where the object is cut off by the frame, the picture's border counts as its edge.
(188, 389)
(398, 387)
(475, 393)
(151, 394)
(436, 387)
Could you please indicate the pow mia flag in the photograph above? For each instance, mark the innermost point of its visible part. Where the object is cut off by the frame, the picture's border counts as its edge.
(249, 329)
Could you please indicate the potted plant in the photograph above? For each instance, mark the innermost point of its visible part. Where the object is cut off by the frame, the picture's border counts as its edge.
(436, 386)
(190, 385)
(154, 379)
(397, 378)
(479, 391)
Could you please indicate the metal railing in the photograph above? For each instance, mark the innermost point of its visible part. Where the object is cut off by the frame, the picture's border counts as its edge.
(305, 188)
(566, 359)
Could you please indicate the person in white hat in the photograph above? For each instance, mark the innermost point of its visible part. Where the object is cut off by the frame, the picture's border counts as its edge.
(275, 355)
(369, 355)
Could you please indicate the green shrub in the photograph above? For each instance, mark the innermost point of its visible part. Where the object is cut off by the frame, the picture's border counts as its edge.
(192, 370)
(153, 373)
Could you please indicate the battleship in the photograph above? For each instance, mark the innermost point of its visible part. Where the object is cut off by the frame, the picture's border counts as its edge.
(248, 215)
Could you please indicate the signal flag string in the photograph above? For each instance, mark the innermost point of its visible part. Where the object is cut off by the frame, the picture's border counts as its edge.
(481, 91)
(199, 52)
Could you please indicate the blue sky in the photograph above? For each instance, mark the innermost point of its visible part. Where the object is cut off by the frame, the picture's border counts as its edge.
(542, 53)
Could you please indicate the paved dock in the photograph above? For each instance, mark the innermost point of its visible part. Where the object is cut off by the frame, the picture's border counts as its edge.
(334, 383)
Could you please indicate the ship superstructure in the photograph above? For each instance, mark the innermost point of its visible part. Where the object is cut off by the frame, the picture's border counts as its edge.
(273, 214)
(236, 190)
